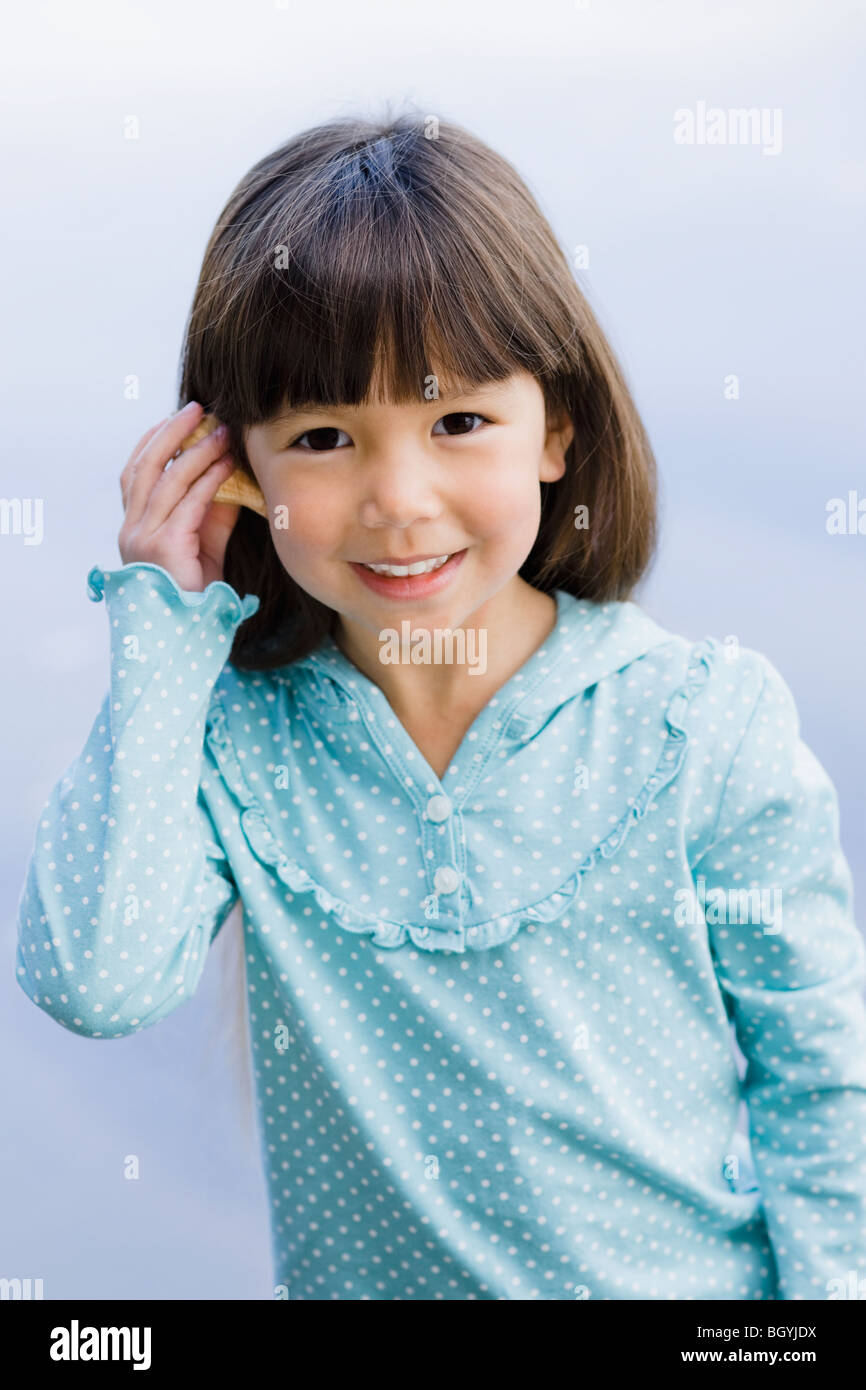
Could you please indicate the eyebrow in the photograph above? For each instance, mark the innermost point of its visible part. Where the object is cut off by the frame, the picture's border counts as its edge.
(496, 388)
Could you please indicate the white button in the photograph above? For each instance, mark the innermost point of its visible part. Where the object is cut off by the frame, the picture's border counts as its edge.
(438, 808)
(446, 879)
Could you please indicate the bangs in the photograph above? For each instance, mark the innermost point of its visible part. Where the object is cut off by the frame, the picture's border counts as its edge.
(362, 287)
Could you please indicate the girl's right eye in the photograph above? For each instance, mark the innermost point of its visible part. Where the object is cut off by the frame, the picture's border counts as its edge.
(325, 445)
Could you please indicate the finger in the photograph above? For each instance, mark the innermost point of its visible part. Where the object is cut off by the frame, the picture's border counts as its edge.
(175, 481)
(150, 461)
(190, 512)
(127, 470)
(148, 434)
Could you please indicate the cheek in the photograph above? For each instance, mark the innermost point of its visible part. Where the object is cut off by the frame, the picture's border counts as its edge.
(315, 519)
(504, 497)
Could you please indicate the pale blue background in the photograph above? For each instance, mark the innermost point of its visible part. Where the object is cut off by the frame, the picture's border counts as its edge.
(704, 261)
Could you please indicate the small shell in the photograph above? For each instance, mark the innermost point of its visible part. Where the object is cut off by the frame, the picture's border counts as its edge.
(238, 488)
(241, 490)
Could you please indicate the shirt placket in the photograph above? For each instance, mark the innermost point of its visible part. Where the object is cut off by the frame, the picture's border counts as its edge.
(448, 901)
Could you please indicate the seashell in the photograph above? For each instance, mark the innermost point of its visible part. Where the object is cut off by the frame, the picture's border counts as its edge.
(238, 488)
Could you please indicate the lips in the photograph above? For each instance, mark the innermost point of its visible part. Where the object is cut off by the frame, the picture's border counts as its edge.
(409, 586)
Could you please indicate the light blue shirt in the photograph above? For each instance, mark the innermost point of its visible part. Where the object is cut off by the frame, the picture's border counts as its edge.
(490, 1014)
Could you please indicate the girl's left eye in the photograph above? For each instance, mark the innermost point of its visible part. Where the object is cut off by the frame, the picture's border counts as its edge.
(462, 415)
(323, 437)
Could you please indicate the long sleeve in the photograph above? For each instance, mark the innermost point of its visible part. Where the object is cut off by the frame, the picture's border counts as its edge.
(792, 965)
(128, 884)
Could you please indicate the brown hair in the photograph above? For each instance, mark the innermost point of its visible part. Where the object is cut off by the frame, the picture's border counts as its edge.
(367, 249)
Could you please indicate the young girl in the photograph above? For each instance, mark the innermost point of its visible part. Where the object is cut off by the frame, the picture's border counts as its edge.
(503, 896)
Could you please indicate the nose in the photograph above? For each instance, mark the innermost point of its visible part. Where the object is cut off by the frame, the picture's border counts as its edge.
(399, 488)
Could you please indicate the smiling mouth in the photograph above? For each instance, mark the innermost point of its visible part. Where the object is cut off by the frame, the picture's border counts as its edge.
(400, 570)
(409, 579)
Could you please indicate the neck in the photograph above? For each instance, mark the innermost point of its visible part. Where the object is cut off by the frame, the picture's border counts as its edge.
(424, 668)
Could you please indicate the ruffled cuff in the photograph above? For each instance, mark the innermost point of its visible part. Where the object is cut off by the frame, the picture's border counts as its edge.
(218, 598)
(168, 645)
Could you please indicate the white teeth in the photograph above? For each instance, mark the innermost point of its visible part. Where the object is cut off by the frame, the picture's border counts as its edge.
(422, 567)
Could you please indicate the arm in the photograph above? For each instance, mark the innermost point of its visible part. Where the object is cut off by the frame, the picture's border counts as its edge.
(792, 972)
(127, 884)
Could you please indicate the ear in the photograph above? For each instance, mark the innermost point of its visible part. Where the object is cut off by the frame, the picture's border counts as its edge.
(559, 437)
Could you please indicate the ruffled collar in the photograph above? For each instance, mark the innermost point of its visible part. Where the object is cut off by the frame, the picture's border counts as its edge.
(588, 641)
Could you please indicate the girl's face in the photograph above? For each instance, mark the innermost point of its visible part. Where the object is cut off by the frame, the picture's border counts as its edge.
(456, 476)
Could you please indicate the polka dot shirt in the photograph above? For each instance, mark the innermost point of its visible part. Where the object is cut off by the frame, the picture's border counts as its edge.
(583, 1019)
